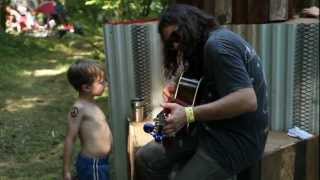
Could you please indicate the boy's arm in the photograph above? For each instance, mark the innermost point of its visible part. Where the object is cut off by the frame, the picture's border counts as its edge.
(74, 121)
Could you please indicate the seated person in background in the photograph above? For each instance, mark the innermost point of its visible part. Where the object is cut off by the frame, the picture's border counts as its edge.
(48, 9)
(11, 24)
(87, 121)
(13, 18)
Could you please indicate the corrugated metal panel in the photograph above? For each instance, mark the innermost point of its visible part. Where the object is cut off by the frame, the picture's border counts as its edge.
(271, 43)
(278, 47)
(306, 77)
(133, 64)
(119, 67)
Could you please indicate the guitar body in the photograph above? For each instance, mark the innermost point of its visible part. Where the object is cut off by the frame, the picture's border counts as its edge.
(185, 95)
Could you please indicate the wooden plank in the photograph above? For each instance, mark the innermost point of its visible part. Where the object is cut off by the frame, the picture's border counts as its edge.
(312, 159)
(246, 11)
(278, 140)
(258, 11)
(278, 10)
(300, 164)
(209, 6)
(239, 12)
(220, 9)
(270, 166)
(197, 3)
(250, 11)
(288, 163)
(223, 11)
(136, 139)
(287, 158)
(291, 9)
(307, 159)
(279, 165)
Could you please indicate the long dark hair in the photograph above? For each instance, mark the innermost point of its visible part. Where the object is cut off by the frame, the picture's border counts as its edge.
(193, 27)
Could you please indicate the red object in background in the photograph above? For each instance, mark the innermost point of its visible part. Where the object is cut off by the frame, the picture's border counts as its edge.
(23, 22)
(48, 8)
(68, 27)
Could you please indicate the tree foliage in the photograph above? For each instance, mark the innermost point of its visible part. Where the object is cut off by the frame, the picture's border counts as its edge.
(97, 11)
(129, 9)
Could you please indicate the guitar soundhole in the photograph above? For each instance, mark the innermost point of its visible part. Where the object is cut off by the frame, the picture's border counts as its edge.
(186, 91)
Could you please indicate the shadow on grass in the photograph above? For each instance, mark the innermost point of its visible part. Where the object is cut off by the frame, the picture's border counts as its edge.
(34, 101)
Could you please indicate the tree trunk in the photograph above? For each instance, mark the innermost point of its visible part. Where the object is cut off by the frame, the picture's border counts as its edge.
(3, 4)
(146, 8)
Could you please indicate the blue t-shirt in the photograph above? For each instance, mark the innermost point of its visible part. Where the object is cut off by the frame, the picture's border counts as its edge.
(230, 64)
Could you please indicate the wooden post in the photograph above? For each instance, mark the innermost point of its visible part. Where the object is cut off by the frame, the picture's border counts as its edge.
(222, 10)
(136, 139)
(239, 12)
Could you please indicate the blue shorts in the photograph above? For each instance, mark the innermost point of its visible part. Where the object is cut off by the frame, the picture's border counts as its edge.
(92, 168)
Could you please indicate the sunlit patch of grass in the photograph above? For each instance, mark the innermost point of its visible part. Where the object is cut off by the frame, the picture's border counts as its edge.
(14, 105)
(44, 72)
(49, 72)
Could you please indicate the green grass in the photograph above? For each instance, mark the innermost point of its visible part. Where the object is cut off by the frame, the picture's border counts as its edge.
(34, 101)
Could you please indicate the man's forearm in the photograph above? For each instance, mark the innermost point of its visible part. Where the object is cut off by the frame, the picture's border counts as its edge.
(234, 104)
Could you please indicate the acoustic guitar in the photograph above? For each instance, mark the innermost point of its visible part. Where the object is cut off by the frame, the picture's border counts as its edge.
(185, 95)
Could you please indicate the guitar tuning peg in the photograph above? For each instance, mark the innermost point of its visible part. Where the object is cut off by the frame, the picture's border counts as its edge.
(148, 127)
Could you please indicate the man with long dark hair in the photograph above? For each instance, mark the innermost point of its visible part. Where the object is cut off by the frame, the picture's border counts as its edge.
(230, 120)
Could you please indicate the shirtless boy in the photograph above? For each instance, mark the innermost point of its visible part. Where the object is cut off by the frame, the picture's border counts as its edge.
(87, 121)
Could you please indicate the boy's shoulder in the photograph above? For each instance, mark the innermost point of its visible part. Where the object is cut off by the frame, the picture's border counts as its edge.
(83, 107)
(79, 103)
(78, 108)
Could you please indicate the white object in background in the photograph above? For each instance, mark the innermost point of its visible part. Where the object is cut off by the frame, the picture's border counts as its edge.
(299, 133)
(52, 23)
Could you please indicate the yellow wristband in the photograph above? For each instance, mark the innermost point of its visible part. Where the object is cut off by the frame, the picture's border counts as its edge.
(189, 114)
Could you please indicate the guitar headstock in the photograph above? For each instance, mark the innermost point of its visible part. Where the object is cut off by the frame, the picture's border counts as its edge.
(156, 129)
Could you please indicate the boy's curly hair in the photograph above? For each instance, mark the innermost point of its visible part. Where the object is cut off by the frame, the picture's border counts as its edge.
(84, 72)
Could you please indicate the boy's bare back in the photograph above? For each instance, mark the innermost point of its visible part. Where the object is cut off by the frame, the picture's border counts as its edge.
(93, 129)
